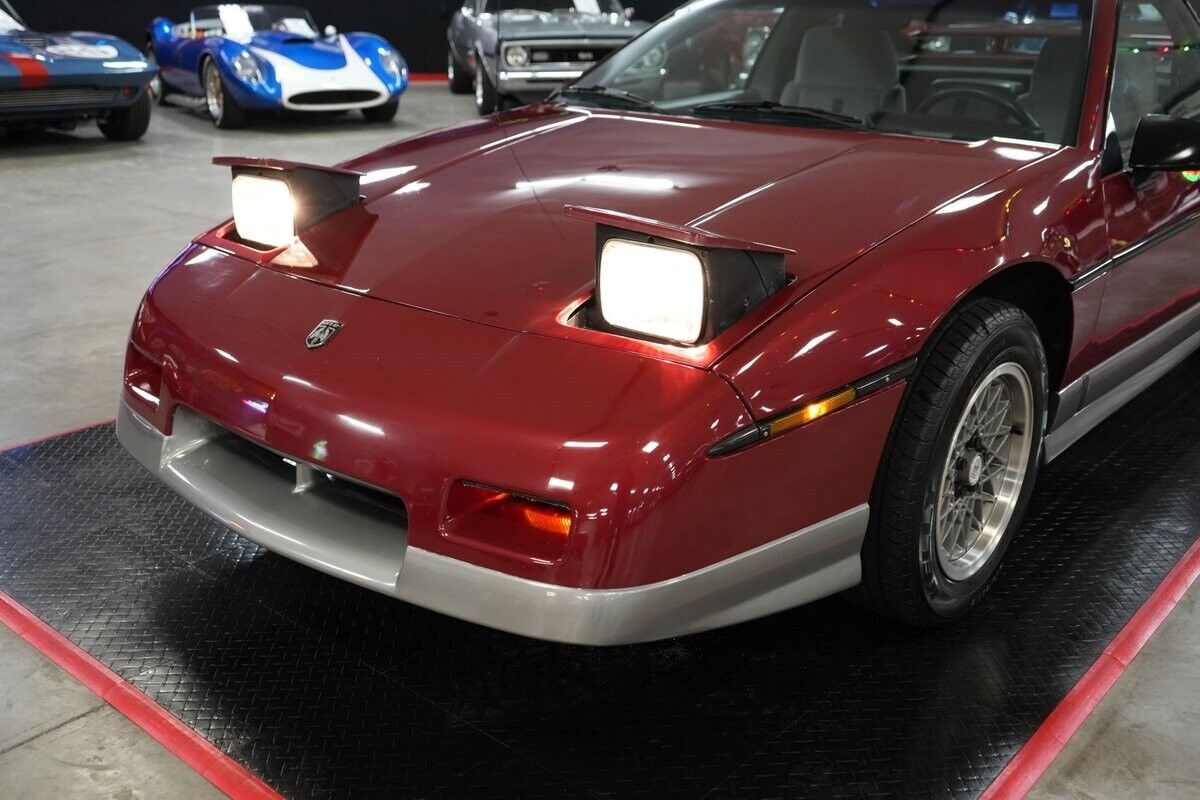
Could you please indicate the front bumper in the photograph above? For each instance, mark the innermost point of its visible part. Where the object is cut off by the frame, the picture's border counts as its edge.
(64, 102)
(535, 83)
(363, 545)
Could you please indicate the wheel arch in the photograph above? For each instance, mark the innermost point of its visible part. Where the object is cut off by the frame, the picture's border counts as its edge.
(1041, 291)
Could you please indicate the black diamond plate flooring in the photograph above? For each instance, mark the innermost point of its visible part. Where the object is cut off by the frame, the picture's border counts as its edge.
(326, 690)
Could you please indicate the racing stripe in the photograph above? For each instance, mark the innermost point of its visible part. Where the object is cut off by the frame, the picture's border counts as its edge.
(34, 74)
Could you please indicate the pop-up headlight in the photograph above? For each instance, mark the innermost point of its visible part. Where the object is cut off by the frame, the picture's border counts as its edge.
(264, 210)
(653, 290)
(676, 284)
(274, 201)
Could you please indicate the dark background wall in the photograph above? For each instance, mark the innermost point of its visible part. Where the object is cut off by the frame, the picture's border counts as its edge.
(416, 27)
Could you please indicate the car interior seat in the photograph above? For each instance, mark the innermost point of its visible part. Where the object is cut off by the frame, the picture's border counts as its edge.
(1049, 97)
(848, 71)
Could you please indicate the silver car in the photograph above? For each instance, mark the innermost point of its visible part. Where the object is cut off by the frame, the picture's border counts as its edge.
(522, 50)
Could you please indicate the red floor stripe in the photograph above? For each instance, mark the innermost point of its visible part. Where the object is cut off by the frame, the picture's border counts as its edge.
(427, 77)
(1032, 760)
(193, 749)
(56, 435)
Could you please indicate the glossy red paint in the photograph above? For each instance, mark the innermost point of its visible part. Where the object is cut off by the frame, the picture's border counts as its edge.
(412, 401)
(457, 278)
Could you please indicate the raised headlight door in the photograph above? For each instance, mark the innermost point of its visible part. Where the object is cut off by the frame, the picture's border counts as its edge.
(1153, 215)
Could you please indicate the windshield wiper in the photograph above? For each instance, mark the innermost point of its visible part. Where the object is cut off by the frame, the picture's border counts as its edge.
(609, 93)
(779, 111)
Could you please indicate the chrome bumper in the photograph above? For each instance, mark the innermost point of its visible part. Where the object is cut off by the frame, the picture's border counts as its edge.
(529, 82)
(364, 548)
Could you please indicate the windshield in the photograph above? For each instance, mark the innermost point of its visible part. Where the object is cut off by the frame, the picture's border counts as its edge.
(561, 6)
(959, 69)
(9, 21)
(243, 20)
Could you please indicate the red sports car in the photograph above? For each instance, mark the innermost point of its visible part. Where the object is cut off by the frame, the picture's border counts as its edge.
(716, 331)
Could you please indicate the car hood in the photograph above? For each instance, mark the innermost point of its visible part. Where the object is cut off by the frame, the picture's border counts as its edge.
(517, 24)
(66, 47)
(307, 52)
(469, 222)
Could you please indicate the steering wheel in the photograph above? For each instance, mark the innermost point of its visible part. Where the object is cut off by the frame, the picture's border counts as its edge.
(1003, 103)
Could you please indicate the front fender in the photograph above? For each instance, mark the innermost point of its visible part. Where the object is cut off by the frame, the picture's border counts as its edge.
(161, 32)
(265, 94)
(883, 307)
(369, 46)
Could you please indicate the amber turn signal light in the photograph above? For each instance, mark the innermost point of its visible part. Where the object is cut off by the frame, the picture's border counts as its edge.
(811, 412)
(506, 523)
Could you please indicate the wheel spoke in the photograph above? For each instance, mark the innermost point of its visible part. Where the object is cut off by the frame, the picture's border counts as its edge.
(983, 471)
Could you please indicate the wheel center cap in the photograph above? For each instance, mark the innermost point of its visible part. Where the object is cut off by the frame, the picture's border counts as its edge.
(970, 470)
(974, 470)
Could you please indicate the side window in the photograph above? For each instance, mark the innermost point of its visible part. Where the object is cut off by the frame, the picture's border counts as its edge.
(1157, 65)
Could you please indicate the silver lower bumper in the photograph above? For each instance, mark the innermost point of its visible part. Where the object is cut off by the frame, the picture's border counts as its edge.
(370, 549)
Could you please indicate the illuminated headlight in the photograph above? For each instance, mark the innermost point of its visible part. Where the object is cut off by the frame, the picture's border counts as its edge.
(247, 68)
(391, 62)
(675, 284)
(264, 210)
(652, 290)
(516, 56)
(274, 201)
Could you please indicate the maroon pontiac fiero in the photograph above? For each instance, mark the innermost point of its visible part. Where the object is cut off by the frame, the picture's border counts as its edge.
(786, 298)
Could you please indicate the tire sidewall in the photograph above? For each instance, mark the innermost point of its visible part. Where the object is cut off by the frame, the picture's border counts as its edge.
(1015, 341)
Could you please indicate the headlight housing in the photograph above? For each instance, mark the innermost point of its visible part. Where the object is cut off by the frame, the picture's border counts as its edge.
(652, 290)
(391, 62)
(264, 210)
(675, 284)
(247, 68)
(274, 201)
(516, 56)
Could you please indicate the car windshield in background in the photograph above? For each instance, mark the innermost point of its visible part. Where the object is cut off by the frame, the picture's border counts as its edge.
(558, 6)
(8, 24)
(957, 69)
(242, 20)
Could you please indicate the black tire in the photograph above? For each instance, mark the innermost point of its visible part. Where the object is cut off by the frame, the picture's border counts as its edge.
(129, 124)
(904, 576)
(229, 115)
(158, 87)
(459, 78)
(383, 113)
(487, 100)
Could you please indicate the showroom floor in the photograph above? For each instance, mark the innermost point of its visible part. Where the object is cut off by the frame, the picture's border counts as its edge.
(84, 227)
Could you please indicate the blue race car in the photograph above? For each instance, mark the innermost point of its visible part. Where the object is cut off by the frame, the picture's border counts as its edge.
(243, 58)
(60, 79)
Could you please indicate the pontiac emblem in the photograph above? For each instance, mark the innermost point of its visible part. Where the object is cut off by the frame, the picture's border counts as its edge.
(321, 334)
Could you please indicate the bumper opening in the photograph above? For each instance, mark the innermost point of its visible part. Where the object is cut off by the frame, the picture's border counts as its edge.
(334, 98)
(355, 532)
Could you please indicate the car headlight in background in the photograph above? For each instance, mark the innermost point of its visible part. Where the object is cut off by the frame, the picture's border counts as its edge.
(653, 290)
(516, 56)
(675, 284)
(391, 62)
(247, 67)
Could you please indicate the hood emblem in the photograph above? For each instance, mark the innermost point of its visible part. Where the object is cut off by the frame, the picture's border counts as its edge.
(321, 334)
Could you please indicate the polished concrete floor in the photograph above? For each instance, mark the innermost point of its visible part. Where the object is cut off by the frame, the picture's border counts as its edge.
(85, 225)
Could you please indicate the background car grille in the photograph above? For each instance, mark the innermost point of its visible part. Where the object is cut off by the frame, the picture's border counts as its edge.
(569, 54)
(333, 98)
(31, 39)
(77, 97)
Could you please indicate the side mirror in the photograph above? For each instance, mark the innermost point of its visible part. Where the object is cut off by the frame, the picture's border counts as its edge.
(1165, 144)
(330, 31)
